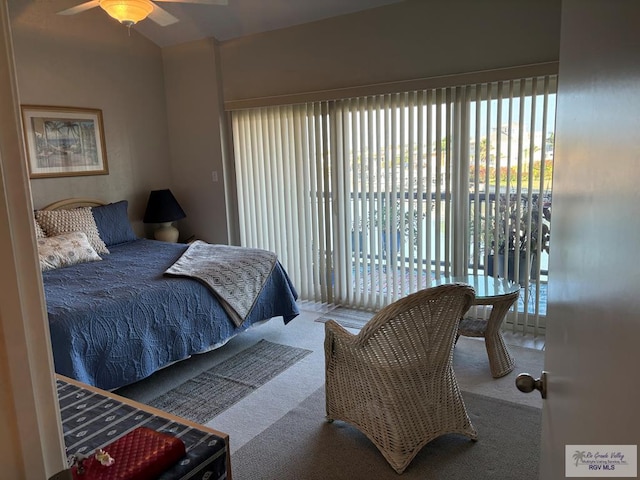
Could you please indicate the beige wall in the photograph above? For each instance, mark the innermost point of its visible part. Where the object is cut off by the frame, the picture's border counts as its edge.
(408, 40)
(195, 108)
(88, 60)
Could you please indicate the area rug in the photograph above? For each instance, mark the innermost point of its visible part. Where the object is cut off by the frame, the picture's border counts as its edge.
(302, 445)
(347, 317)
(206, 395)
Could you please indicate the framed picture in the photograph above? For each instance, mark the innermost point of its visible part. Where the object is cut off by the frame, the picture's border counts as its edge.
(64, 142)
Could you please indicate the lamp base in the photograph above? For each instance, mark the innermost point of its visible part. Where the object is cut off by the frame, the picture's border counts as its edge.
(166, 232)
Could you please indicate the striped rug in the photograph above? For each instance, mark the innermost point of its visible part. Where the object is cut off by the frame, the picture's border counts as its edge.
(207, 394)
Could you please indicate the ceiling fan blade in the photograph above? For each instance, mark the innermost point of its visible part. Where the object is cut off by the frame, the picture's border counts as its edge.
(203, 2)
(161, 16)
(80, 8)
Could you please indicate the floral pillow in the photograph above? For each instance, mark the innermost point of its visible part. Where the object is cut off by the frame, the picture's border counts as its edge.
(65, 250)
(57, 222)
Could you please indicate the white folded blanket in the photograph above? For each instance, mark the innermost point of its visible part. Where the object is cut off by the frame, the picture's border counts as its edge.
(236, 275)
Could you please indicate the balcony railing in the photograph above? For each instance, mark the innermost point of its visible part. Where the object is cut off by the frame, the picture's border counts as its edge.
(374, 257)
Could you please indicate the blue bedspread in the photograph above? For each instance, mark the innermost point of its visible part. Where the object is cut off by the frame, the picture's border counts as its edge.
(116, 321)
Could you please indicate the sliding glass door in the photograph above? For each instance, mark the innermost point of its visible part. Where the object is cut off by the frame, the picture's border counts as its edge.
(368, 199)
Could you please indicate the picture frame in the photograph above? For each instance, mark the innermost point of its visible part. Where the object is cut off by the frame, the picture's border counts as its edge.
(64, 141)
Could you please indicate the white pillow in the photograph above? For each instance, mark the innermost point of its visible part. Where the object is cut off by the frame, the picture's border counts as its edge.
(57, 222)
(39, 232)
(65, 250)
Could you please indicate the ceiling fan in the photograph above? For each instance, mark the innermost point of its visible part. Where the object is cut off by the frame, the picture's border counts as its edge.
(129, 12)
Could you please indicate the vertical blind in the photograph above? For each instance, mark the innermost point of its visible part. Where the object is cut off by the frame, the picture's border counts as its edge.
(368, 199)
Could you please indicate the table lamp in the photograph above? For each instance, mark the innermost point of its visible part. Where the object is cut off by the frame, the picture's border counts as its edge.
(163, 209)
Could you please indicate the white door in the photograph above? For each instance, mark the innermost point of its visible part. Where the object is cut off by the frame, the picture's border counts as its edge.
(592, 353)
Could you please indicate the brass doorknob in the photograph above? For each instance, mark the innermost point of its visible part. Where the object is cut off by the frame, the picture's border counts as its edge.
(526, 383)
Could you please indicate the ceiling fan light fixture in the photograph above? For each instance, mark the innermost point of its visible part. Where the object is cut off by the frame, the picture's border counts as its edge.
(127, 12)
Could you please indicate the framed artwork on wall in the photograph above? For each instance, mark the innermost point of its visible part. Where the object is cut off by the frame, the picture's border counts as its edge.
(64, 141)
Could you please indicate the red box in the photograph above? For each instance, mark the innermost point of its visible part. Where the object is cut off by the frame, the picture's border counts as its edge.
(141, 454)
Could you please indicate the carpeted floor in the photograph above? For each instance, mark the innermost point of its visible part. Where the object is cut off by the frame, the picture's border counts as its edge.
(302, 445)
(263, 408)
(347, 317)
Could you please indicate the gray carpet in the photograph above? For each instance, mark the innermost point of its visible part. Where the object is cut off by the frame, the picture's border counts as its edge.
(302, 445)
(207, 394)
(347, 317)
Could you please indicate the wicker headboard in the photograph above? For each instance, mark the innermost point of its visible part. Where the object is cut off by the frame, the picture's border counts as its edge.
(73, 203)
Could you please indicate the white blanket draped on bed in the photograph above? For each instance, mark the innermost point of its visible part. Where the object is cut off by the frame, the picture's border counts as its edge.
(236, 275)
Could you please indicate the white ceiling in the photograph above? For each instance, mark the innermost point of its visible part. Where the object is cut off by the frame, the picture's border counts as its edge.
(240, 17)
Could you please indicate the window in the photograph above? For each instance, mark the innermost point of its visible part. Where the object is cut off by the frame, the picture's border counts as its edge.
(367, 199)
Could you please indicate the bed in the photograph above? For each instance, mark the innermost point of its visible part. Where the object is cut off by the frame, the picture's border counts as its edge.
(118, 318)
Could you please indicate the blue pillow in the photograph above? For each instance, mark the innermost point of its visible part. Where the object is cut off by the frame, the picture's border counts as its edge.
(113, 223)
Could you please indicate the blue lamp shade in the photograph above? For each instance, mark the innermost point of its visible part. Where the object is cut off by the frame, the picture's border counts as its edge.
(163, 208)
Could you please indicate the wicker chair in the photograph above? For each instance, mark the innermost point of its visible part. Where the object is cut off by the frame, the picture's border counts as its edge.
(394, 380)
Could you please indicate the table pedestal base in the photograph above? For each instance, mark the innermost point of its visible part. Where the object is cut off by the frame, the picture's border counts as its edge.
(500, 360)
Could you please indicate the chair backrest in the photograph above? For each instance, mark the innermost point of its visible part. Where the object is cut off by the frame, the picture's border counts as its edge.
(419, 327)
